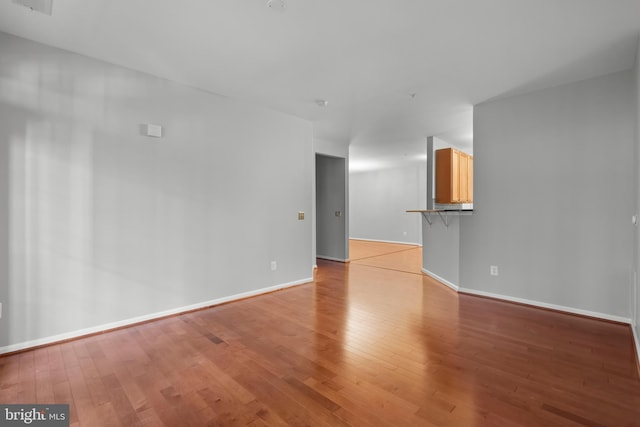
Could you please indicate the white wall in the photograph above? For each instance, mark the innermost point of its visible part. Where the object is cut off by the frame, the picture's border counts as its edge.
(554, 195)
(378, 201)
(106, 225)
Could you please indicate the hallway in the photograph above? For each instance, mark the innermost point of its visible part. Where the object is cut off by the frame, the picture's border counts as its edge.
(392, 256)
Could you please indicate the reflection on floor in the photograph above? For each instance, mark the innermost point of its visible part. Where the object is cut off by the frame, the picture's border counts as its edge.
(391, 256)
(360, 346)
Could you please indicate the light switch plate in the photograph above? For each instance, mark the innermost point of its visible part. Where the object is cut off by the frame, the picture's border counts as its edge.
(154, 131)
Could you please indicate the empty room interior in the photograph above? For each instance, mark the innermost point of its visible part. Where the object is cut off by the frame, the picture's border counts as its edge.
(298, 212)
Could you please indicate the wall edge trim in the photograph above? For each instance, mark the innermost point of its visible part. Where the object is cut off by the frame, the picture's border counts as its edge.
(40, 342)
(329, 258)
(540, 304)
(385, 241)
(441, 280)
(636, 341)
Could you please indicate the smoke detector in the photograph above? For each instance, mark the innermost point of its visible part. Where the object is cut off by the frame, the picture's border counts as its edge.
(42, 6)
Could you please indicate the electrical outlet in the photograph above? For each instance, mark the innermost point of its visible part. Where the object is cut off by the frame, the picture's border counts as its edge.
(493, 270)
(274, 266)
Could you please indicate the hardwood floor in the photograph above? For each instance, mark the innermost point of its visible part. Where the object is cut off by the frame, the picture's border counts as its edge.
(392, 256)
(362, 345)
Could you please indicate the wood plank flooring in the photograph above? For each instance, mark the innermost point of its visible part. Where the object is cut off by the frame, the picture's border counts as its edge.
(392, 256)
(361, 346)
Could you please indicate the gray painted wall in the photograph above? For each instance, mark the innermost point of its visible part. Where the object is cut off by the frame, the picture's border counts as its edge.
(331, 148)
(331, 196)
(108, 225)
(554, 196)
(378, 200)
(636, 291)
(441, 249)
(5, 273)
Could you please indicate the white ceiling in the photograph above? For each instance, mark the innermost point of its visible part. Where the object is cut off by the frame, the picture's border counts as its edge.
(366, 57)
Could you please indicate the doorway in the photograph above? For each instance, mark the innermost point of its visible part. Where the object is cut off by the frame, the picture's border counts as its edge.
(331, 208)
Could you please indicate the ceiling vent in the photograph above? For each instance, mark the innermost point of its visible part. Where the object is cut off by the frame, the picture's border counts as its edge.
(42, 6)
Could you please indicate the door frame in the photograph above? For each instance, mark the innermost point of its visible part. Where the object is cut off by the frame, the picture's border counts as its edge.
(342, 246)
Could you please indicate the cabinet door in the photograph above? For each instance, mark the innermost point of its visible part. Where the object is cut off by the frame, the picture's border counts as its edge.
(455, 176)
(444, 186)
(470, 169)
(464, 177)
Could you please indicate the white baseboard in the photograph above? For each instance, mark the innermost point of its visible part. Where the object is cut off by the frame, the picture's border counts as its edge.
(441, 280)
(534, 303)
(328, 258)
(634, 330)
(145, 318)
(385, 241)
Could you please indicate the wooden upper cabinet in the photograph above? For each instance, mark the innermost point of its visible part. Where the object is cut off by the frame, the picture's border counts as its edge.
(470, 179)
(464, 177)
(454, 176)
